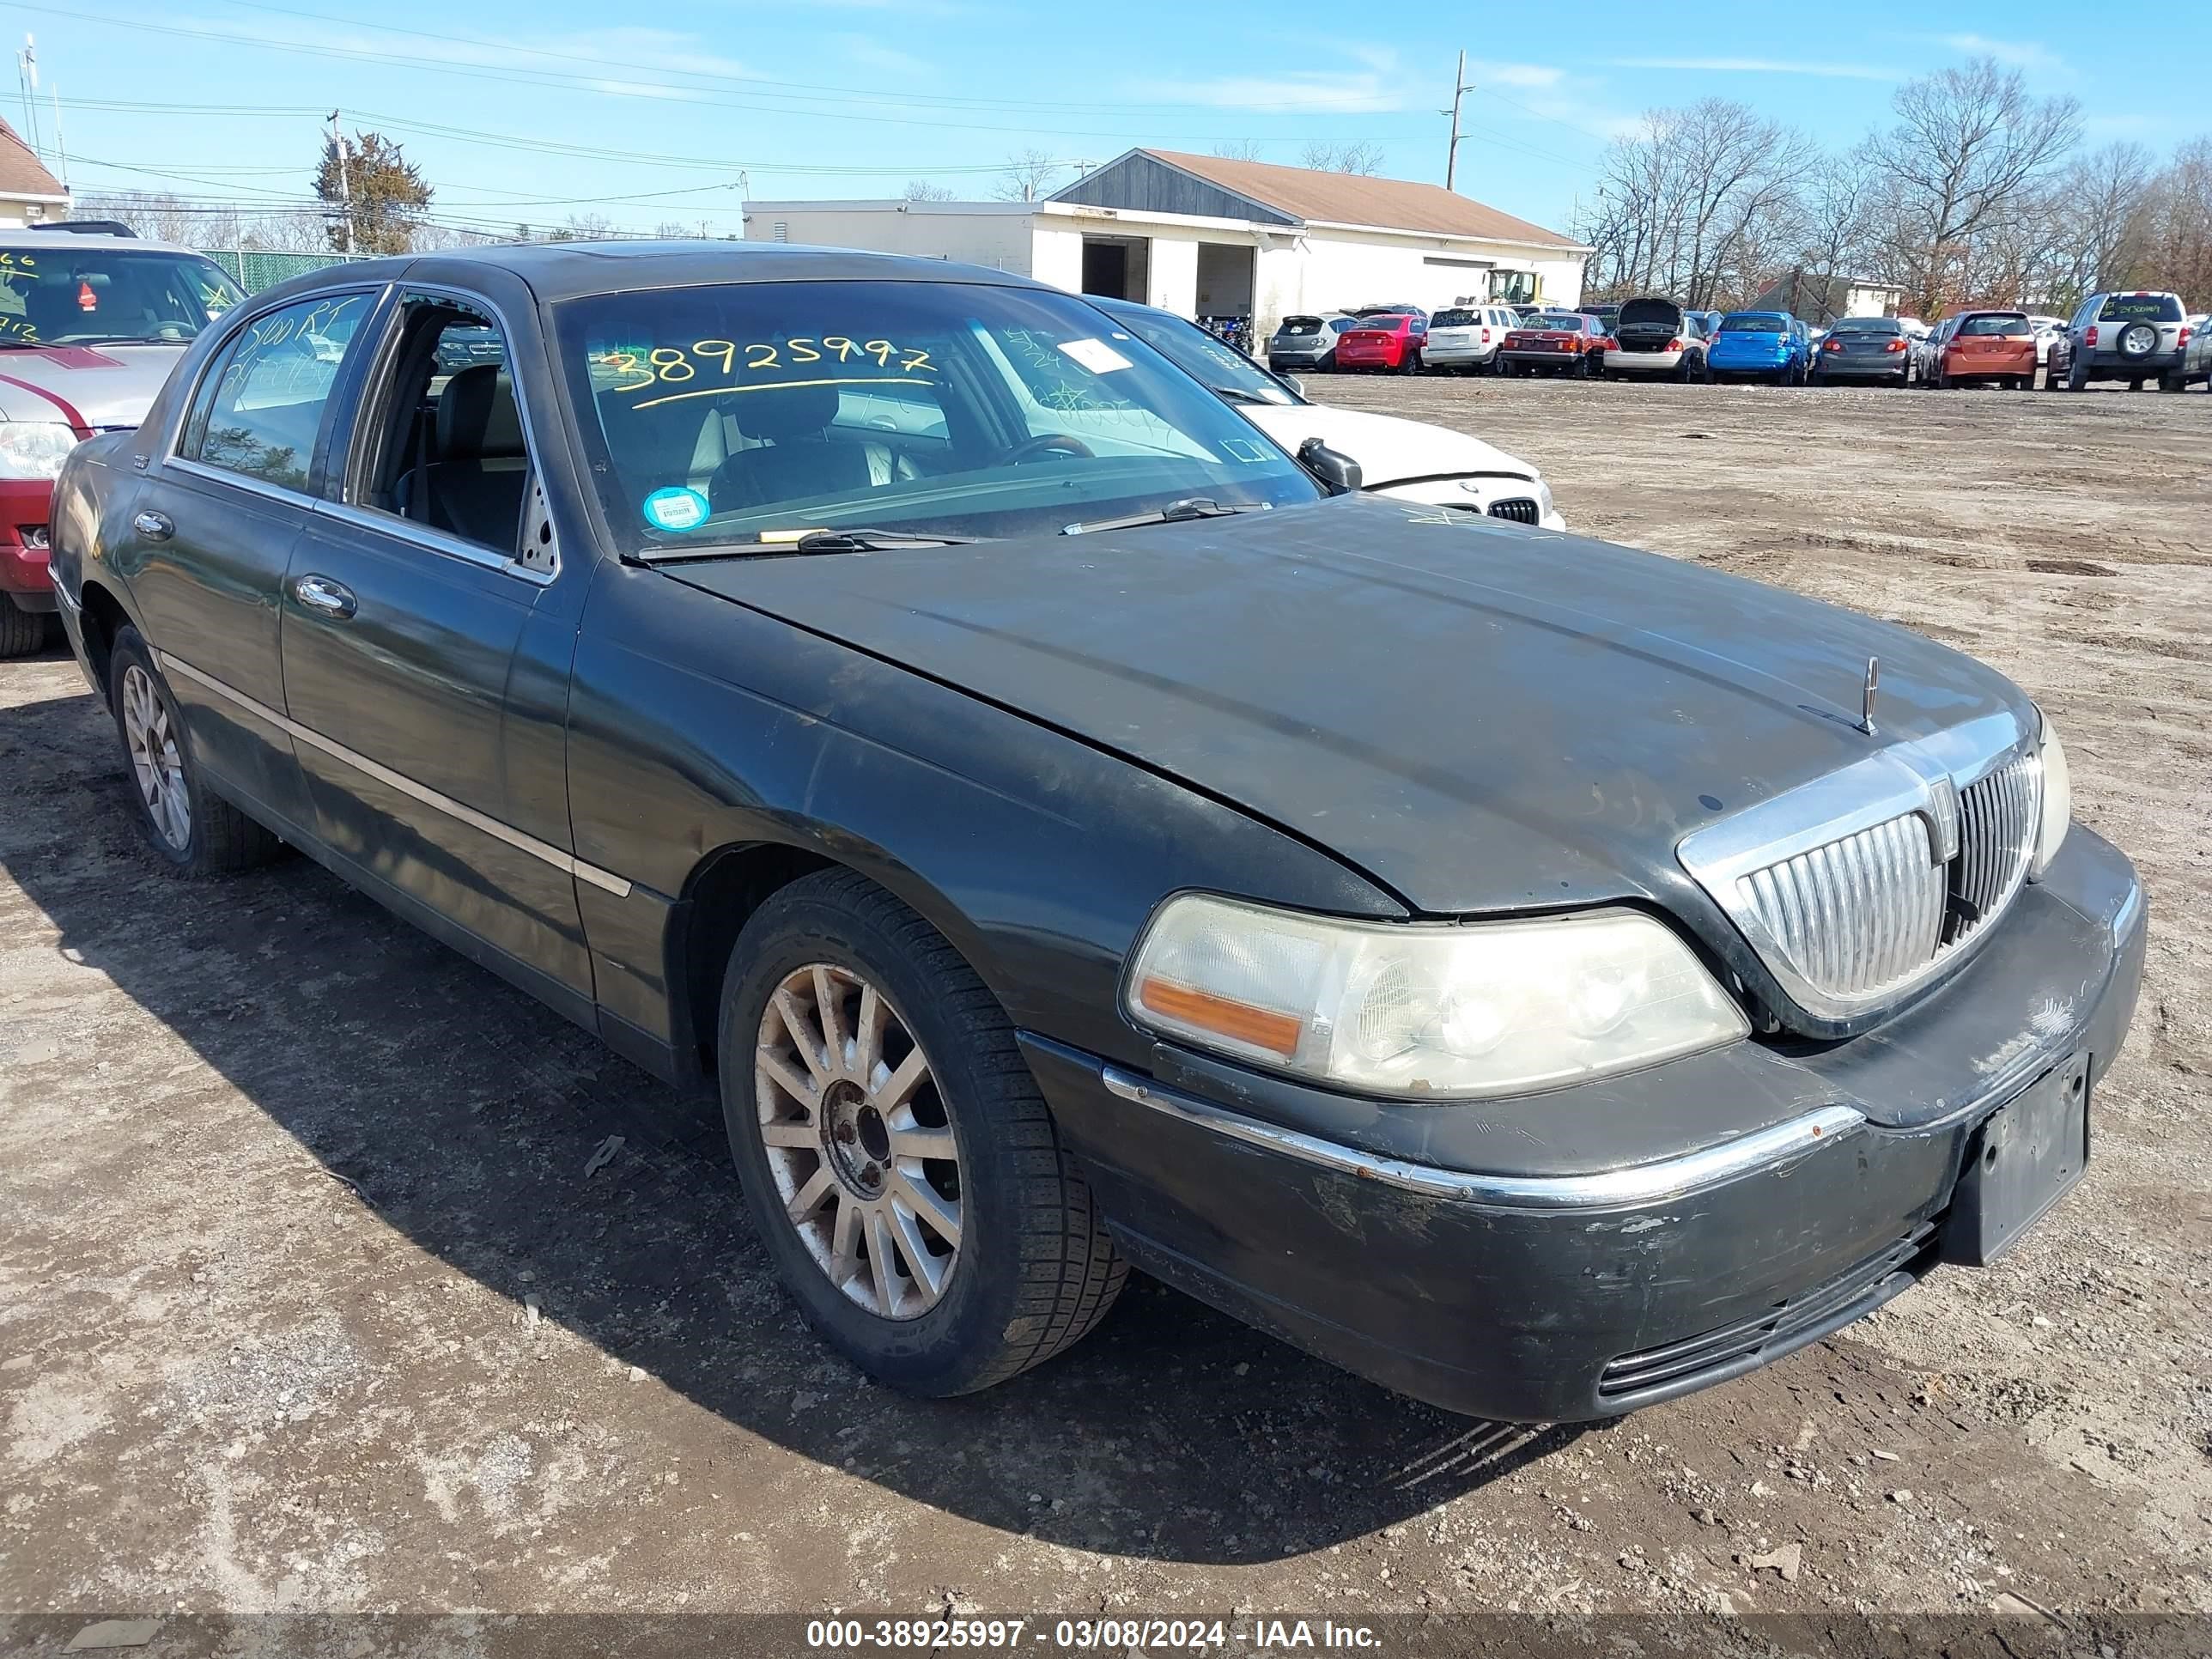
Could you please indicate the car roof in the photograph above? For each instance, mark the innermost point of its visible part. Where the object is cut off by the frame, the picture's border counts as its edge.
(19, 239)
(566, 270)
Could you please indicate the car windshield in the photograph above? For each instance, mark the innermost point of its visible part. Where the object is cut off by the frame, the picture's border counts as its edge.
(1302, 325)
(1872, 328)
(1388, 325)
(745, 412)
(1572, 323)
(1205, 358)
(2140, 308)
(1995, 322)
(1453, 318)
(62, 294)
(1754, 323)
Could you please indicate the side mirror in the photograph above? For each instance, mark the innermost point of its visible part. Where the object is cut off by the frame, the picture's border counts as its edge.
(1338, 473)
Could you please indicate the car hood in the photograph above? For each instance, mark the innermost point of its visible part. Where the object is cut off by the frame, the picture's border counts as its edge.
(90, 386)
(1390, 449)
(1478, 716)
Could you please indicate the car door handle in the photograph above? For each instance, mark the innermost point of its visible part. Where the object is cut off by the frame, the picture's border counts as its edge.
(154, 526)
(324, 597)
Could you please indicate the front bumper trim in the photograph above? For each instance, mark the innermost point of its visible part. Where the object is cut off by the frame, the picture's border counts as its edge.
(1642, 1183)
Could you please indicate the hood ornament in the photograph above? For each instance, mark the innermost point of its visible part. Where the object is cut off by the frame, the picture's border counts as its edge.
(1865, 697)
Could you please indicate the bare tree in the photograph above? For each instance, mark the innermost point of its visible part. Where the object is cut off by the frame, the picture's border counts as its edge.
(1243, 149)
(589, 228)
(1702, 204)
(2174, 225)
(1028, 176)
(926, 190)
(1364, 160)
(1970, 143)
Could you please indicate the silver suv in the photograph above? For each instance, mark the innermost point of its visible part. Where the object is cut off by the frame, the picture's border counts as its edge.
(2132, 337)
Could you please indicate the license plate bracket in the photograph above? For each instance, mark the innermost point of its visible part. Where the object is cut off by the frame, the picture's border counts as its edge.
(2024, 1156)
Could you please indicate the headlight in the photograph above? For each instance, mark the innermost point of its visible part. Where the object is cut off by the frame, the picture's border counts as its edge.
(34, 449)
(2057, 800)
(1452, 1010)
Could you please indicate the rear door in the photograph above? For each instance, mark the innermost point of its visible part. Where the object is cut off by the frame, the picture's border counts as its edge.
(213, 529)
(427, 628)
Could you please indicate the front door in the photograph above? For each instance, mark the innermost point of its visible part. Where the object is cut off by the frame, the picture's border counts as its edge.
(211, 536)
(426, 658)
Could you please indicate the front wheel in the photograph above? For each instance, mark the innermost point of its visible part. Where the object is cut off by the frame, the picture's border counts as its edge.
(898, 1160)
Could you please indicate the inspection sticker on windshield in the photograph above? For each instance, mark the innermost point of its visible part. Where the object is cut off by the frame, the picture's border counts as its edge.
(1095, 355)
(675, 509)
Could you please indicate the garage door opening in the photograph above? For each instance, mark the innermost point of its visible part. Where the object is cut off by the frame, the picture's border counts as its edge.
(1224, 283)
(1117, 267)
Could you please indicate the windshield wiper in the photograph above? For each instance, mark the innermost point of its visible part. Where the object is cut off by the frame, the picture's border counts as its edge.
(1182, 512)
(813, 541)
(115, 339)
(1235, 395)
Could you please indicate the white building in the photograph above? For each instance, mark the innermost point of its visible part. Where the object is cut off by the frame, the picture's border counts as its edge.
(1208, 237)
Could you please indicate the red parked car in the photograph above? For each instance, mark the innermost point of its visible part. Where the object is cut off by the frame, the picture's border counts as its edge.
(1556, 342)
(1392, 343)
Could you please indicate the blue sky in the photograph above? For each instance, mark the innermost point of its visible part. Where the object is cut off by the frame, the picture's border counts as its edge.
(529, 112)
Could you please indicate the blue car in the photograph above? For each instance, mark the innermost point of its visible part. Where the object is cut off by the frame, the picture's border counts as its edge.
(1768, 344)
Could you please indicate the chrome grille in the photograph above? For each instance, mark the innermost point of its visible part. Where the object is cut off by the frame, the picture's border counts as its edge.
(1998, 817)
(1870, 911)
(1858, 914)
(1519, 508)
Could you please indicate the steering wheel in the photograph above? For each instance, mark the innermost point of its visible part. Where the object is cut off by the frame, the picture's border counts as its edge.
(1049, 443)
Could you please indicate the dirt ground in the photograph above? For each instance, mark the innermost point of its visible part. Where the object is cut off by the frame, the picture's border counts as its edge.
(325, 1285)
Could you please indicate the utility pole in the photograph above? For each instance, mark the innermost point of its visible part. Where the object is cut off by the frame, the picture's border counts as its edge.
(1460, 86)
(345, 180)
(27, 72)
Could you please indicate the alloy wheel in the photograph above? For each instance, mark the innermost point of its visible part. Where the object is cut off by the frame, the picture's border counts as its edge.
(859, 1143)
(155, 761)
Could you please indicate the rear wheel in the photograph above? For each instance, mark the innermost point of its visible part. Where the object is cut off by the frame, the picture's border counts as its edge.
(1410, 363)
(21, 631)
(898, 1160)
(2077, 375)
(196, 832)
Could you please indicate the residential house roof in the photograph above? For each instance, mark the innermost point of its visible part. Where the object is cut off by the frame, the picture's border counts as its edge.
(22, 175)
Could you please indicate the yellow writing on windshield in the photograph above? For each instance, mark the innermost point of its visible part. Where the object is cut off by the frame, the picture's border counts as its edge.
(655, 368)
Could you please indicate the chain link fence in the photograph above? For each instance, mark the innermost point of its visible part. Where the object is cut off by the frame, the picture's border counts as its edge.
(255, 268)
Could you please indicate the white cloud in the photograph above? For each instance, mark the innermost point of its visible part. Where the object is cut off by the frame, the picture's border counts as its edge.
(1822, 69)
(1376, 86)
(871, 54)
(2030, 56)
(1536, 76)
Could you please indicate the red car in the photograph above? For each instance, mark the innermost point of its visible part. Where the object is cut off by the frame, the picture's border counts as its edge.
(1391, 343)
(90, 326)
(1557, 343)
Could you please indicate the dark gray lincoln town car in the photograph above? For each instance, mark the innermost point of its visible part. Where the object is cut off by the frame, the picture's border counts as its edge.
(1070, 830)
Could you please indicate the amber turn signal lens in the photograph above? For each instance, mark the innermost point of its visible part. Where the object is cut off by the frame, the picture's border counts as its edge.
(1262, 1028)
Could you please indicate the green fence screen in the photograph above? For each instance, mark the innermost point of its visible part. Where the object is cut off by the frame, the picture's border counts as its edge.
(254, 270)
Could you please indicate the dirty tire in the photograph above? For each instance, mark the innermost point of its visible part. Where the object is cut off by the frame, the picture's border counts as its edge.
(21, 631)
(223, 839)
(1036, 1268)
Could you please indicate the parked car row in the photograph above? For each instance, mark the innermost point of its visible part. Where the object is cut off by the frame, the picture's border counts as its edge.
(2140, 337)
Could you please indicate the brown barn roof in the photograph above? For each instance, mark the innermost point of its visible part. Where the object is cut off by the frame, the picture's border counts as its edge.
(22, 173)
(1345, 199)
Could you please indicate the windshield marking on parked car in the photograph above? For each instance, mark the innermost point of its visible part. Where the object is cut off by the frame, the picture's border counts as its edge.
(672, 365)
